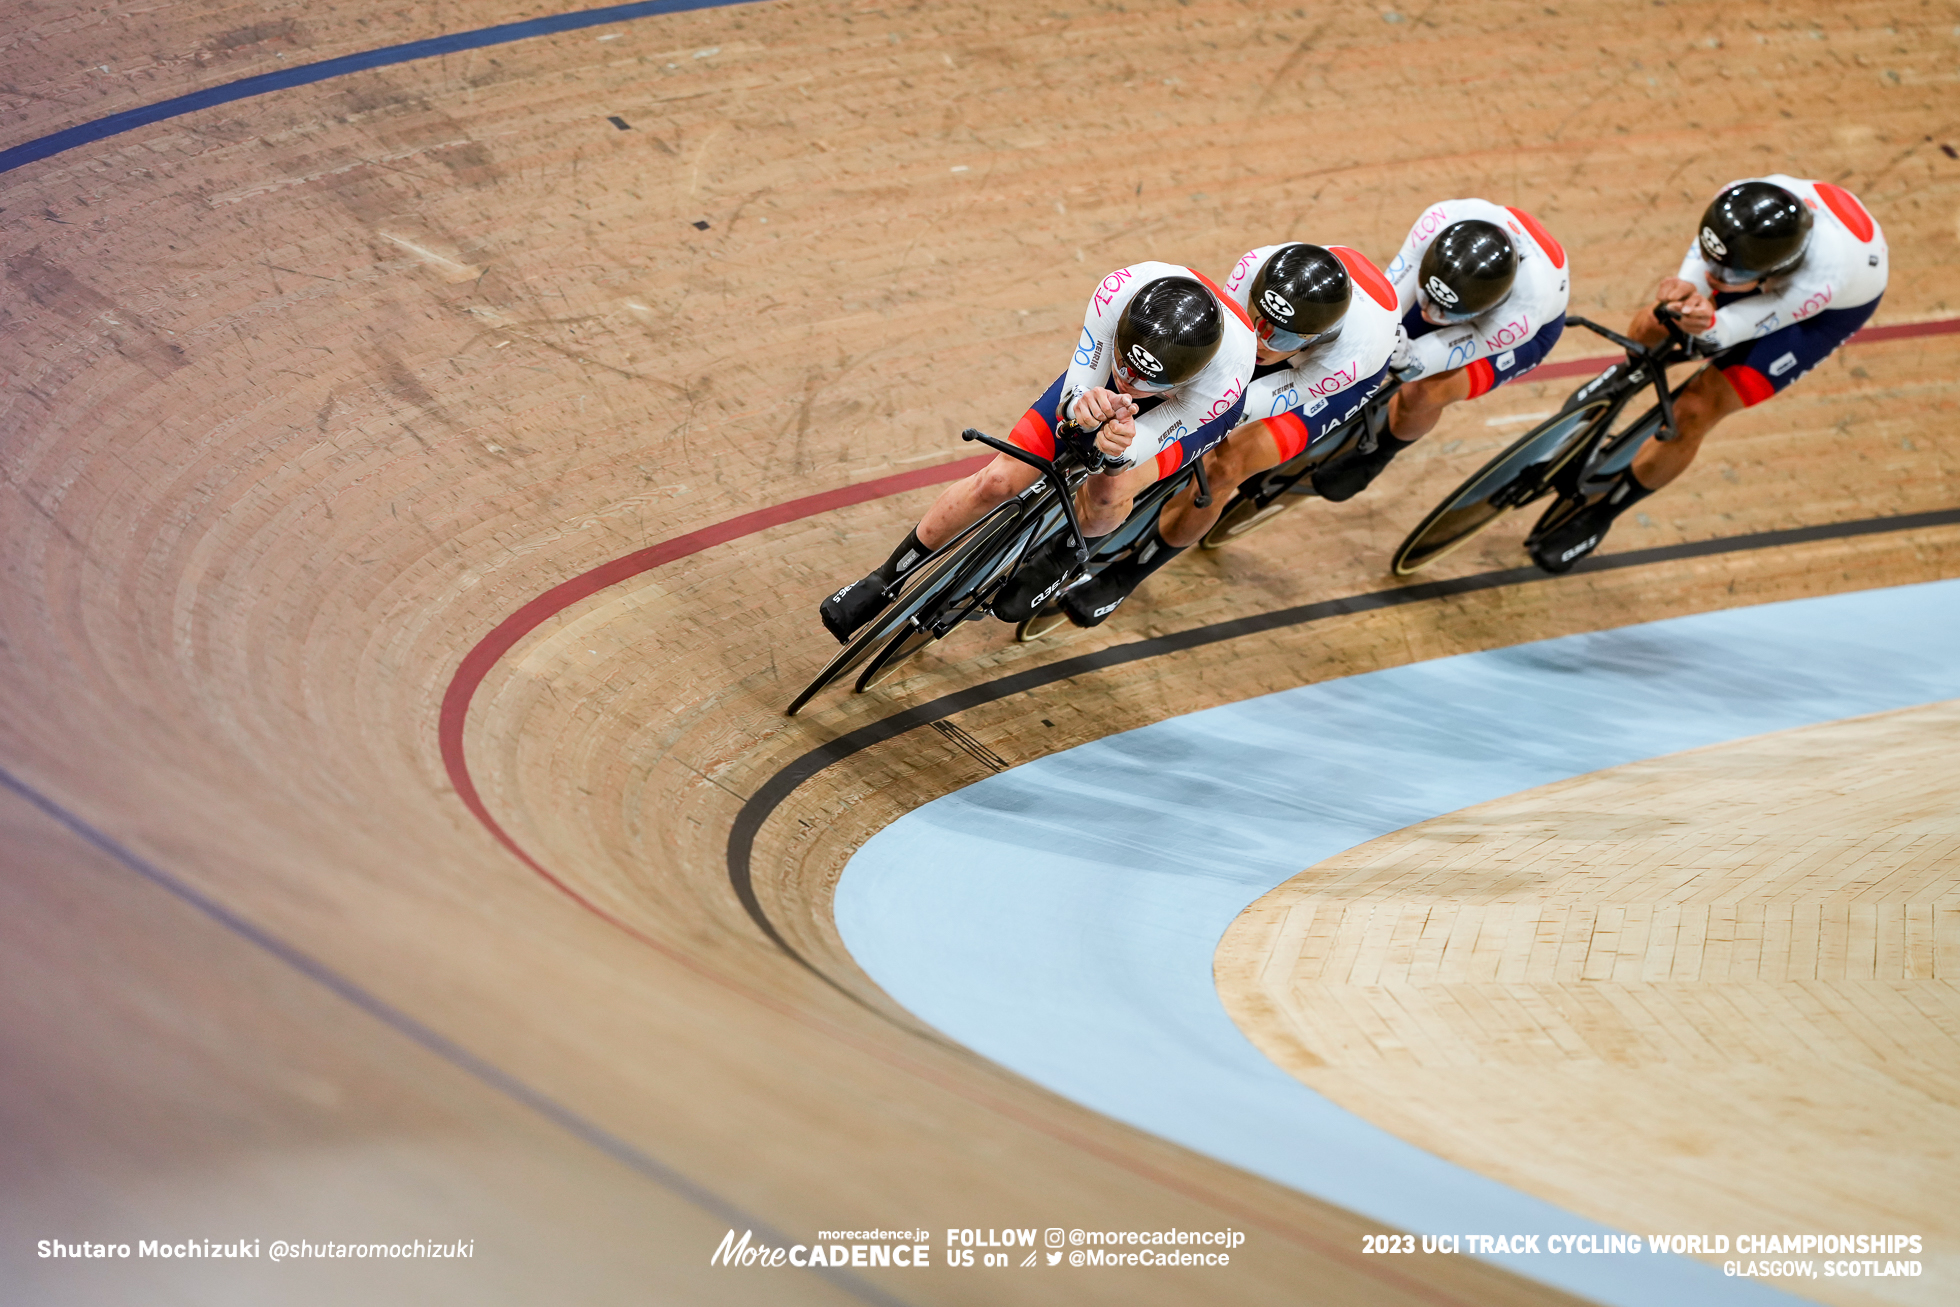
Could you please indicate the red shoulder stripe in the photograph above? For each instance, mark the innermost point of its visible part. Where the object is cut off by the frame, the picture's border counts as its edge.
(1539, 234)
(1222, 297)
(1366, 275)
(1849, 212)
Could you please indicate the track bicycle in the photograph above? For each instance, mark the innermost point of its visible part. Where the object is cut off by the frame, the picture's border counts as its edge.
(959, 581)
(1263, 496)
(1575, 453)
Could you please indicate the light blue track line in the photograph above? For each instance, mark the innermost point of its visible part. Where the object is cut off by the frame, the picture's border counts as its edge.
(1061, 917)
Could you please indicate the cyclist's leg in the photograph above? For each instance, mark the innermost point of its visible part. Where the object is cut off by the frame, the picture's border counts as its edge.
(958, 506)
(1744, 377)
(1708, 398)
(1104, 501)
(1248, 451)
(1414, 410)
(970, 498)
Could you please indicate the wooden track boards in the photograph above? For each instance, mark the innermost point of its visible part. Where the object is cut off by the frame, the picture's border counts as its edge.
(1724, 979)
(304, 396)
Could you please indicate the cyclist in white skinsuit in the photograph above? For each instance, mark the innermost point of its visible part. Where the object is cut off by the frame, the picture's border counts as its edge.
(1482, 291)
(1326, 321)
(1327, 377)
(1782, 272)
(1162, 361)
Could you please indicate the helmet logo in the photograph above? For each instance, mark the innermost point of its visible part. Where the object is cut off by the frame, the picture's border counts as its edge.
(1437, 290)
(1144, 361)
(1273, 304)
(1713, 243)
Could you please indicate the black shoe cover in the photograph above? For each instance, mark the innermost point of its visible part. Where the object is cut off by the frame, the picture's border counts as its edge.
(1091, 603)
(857, 603)
(1563, 545)
(1033, 585)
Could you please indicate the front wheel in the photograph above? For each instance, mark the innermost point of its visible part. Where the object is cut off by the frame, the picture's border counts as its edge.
(953, 592)
(917, 590)
(892, 656)
(1511, 480)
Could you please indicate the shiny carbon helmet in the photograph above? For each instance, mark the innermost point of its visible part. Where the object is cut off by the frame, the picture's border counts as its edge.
(1468, 269)
(1754, 230)
(1167, 333)
(1299, 293)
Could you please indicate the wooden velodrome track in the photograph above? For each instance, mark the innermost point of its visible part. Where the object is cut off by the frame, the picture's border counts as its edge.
(308, 396)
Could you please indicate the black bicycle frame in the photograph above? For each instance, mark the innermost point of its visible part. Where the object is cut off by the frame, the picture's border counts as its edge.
(1064, 489)
(1644, 366)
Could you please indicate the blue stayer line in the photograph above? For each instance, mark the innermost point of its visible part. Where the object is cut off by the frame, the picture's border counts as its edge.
(488, 1073)
(305, 74)
(1061, 918)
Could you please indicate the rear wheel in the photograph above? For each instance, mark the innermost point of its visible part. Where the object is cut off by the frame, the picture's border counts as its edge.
(1511, 480)
(1044, 621)
(1265, 495)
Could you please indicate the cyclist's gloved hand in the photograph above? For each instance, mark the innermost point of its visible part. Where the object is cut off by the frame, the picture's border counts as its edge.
(1402, 359)
(1116, 414)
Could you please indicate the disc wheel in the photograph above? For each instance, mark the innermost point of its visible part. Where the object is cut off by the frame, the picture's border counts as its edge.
(1511, 480)
(1241, 518)
(920, 588)
(1044, 621)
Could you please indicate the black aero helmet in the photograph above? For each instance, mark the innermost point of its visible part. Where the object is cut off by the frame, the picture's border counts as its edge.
(1300, 292)
(1168, 332)
(1754, 230)
(1467, 269)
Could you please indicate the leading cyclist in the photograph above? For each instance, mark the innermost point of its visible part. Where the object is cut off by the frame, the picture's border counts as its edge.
(1326, 322)
(1782, 272)
(1482, 291)
(1161, 367)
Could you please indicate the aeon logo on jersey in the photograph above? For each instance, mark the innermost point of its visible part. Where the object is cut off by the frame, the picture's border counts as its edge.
(1225, 401)
(1509, 336)
(1429, 224)
(1276, 307)
(1438, 291)
(1816, 302)
(1144, 361)
(1335, 380)
(1106, 293)
(1713, 243)
(1238, 274)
